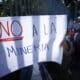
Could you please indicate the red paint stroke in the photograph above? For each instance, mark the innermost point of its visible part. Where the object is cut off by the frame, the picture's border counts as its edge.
(11, 39)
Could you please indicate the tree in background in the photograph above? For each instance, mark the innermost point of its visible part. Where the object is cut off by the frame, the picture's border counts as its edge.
(27, 7)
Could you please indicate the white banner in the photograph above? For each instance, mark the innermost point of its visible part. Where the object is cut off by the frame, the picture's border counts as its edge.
(30, 39)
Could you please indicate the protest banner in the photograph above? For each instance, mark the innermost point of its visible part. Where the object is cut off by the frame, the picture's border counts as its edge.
(27, 40)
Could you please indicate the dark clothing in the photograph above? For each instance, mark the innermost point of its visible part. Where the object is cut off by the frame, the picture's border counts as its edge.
(27, 73)
(49, 71)
(53, 71)
(76, 55)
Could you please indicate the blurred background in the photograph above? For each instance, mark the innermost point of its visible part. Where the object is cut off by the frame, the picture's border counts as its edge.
(71, 58)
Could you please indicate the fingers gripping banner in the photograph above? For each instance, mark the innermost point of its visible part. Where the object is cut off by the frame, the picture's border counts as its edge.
(30, 39)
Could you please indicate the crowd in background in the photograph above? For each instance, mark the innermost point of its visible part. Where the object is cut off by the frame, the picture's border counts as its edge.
(71, 44)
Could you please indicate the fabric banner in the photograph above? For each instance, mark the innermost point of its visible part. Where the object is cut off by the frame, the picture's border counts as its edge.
(27, 40)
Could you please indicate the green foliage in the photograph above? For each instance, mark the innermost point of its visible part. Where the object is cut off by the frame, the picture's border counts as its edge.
(26, 7)
(18, 7)
(11, 7)
(22, 7)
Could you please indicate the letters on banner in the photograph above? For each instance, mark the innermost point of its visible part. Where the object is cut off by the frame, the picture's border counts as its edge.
(30, 39)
